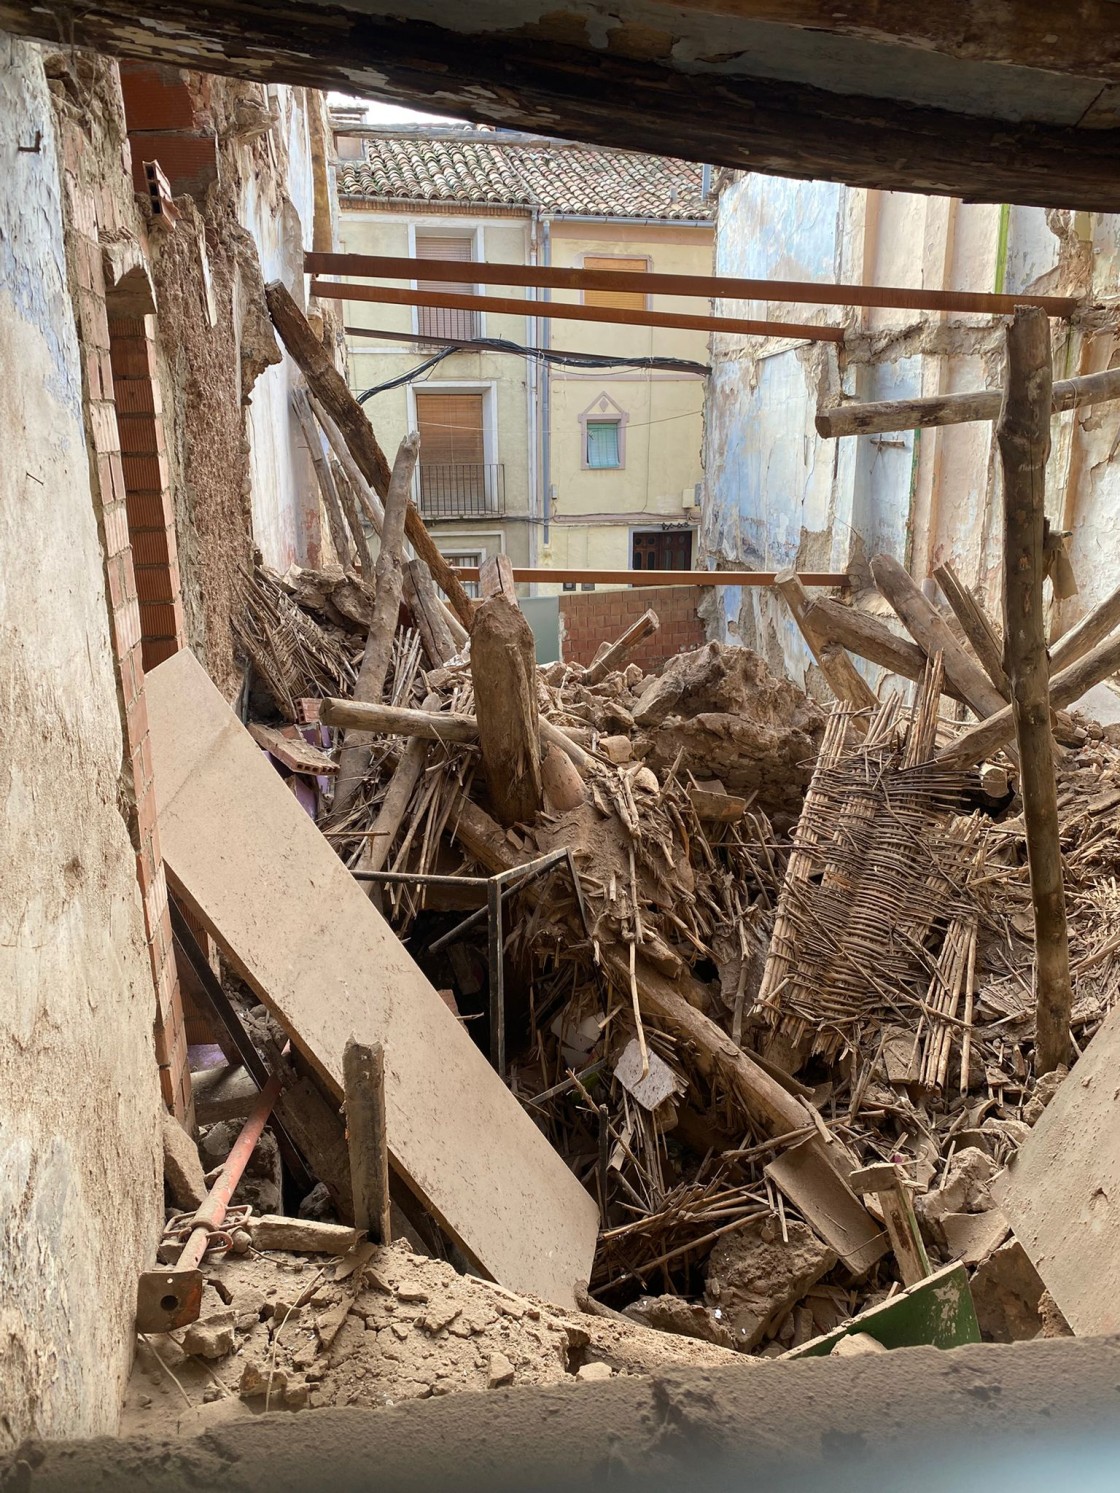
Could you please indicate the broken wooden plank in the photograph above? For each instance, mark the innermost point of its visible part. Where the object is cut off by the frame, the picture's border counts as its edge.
(504, 674)
(955, 409)
(1023, 436)
(428, 615)
(862, 634)
(398, 796)
(1065, 688)
(828, 1205)
(843, 678)
(301, 932)
(1060, 1189)
(718, 807)
(646, 625)
(932, 633)
(884, 1179)
(363, 1070)
(370, 683)
(976, 626)
(293, 751)
(336, 521)
(329, 386)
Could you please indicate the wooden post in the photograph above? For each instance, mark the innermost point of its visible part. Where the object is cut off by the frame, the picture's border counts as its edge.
(398, 720)
(866, 636)
(354, 758)
(363, 1072)
(976, 625)
(354, 521)
(328, 385)
(1023, 434)
(646, 625)
(932, 633)
(843, 678)
(335, 522)
(504, 672)
(1065, 688)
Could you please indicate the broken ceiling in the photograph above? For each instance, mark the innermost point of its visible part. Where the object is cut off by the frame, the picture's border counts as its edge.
(1015, 103)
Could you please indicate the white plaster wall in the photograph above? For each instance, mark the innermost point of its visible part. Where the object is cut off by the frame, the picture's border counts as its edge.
(277, 209)
(80, 1192)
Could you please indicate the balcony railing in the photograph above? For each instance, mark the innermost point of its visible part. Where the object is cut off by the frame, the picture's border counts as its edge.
(462, 489)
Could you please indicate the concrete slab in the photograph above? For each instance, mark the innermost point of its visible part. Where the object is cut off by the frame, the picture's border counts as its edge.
(252, 866)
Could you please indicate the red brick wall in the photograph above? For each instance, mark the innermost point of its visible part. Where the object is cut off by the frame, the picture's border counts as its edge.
(588, 618)
(95, 207)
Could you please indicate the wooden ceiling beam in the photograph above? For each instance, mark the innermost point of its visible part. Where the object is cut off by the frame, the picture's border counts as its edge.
(708, 287)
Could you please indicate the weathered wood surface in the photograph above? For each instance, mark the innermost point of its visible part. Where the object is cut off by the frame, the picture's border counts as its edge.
(932, 633)
(363, 1070)
(370, 684)
(1065, 689)
(428, 615)
(300, 931)
(843, 678)
(870, 638)
(976, 626)
(504, 672)
(399, 720)
(336, 521)
(329, 387)
(303, 1235)
(888, 415)
(1023, 435)
(1091, 630)
(646, 625)
(398, 796)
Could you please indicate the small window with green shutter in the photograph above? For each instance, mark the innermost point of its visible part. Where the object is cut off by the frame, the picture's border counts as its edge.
(603, 444)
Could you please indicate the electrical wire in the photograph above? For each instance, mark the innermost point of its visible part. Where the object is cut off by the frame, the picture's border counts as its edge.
(541, 354)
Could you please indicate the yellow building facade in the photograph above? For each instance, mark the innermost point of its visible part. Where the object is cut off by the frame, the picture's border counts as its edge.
(565, 444)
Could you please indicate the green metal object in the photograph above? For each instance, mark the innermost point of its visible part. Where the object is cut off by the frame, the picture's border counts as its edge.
(936, 1313)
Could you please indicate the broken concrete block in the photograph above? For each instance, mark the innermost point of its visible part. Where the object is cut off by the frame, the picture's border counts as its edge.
(500, 1371)
(1006, 1291)
(686, 1318)
(966, 1189)
(617, 749)
(210, 1338)
(857, 1345)
(659, 1084)
(1044, 1090)
(594, 1373)
(302, 1235)
(972, 1237)
(182, 1169)
(754, 1276)
(257, 1382)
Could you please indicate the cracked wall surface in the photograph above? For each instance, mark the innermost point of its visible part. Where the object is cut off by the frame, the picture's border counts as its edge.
(79, 1096)
(777, 494)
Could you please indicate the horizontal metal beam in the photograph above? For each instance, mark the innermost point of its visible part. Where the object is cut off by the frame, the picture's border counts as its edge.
(515, 306)
(708, 287)
(663, 577)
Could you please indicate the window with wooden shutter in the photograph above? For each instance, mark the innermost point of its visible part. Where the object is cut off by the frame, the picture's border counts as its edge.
(454, 477)
(662, 549)
(623, 300)
(437, 322)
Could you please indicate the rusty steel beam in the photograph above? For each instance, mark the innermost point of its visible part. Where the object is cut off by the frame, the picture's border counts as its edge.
(336, 290)
(708, 287)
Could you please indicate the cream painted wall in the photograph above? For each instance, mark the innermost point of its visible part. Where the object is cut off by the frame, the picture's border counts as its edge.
(663, 410)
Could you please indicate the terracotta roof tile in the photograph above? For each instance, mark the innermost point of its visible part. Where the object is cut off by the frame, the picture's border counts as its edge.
(476, 166)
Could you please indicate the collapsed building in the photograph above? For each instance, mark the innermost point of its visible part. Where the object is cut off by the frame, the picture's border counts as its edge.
(586, 1022)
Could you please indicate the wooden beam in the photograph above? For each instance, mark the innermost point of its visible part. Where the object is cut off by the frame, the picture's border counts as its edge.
(398, 795)
(865, 635)
(982, 741)
(612, 315)
(1023, 435)
(427, 614)
(336, 522)
(363, 1069)
(843, 678)
(329, 387)
(706, 287)
(976, 626)
(646, 625)
(826, 578)
(932, 633)
(1091, 630)
(504, 674)
(956, 409)
(398, 720)
(353, 760)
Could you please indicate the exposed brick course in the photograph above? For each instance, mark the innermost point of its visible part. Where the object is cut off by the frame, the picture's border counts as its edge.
(590, 618)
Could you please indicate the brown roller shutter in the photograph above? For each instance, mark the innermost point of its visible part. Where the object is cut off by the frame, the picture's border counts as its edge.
(436, 322)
